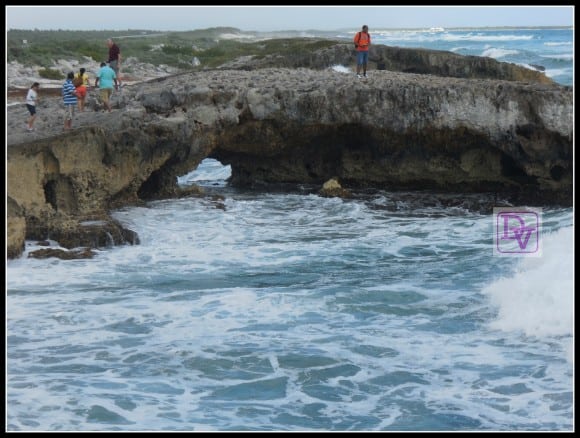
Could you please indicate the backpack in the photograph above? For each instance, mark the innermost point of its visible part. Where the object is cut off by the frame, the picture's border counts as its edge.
(357, 39)
(78, 81)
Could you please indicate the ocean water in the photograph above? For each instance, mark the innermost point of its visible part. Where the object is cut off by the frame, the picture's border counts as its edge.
(286, 311)
(550, 49)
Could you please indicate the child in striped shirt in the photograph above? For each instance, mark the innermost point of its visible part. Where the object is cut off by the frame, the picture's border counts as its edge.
(70, 100)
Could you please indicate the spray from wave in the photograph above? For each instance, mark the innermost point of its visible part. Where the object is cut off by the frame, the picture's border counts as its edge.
(538, 300)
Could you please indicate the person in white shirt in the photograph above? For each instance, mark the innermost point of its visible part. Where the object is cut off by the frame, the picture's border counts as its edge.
(31, 100)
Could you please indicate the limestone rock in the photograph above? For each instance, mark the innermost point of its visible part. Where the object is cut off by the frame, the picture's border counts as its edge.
(277, 125)
(15, 229)
(332, 188)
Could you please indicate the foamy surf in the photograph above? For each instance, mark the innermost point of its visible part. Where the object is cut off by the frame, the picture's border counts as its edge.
(538, 298)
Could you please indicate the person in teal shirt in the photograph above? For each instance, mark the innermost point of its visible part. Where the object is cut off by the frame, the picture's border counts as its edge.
(105, 80)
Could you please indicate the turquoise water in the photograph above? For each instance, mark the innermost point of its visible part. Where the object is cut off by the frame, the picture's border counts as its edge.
(290, 311)
(287, 311)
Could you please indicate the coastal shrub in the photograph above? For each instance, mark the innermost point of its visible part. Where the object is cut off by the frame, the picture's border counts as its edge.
(49, 73)
(177, 48)
(92, 51)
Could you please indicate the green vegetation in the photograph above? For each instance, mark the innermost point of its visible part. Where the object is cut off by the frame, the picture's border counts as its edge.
(176, 49)
(49, 73)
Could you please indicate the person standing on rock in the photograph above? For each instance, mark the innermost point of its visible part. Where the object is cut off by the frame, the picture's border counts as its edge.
(84, 76)
(31, 99)
(105, 78)
(362, 42)
(70, 100)
(114, 57)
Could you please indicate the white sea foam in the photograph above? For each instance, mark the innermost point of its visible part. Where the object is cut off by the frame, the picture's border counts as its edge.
(553, 72)
(481, 37)
(495, 52)
(414, 35)
(538, 299)
(560, 57)
(217, 306)
(550, 72)
(528, 66)
(208, 170)
(341, 69)
(563, 43)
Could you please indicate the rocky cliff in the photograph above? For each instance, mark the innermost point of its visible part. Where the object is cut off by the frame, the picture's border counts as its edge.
(293, 125)
(399, 59)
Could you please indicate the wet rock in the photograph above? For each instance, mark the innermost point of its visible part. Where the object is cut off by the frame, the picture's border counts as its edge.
(332, 188)
(82, 253)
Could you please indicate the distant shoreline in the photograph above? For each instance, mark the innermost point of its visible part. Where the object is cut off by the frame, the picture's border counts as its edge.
(157, 32)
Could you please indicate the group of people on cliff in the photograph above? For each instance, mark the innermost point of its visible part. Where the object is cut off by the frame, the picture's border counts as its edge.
(77, 85)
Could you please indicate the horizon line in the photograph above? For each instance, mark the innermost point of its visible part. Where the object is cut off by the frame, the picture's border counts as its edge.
(301, 30)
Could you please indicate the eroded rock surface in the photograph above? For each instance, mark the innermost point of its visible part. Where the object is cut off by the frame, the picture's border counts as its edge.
(284, 125)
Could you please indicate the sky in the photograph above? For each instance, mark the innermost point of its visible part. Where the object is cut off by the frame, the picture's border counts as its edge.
(275, 18)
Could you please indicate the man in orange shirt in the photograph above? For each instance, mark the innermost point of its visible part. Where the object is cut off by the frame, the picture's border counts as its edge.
(362, 42)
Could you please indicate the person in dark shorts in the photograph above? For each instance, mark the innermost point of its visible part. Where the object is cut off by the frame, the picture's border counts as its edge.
(31, 100)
